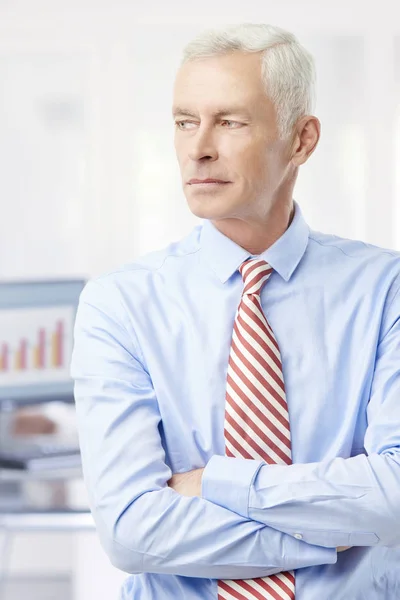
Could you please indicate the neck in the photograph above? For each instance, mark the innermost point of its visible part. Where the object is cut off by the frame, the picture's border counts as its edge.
(257, 235)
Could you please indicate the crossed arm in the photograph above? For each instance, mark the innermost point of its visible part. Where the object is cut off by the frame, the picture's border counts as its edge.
(143, 524)
(196, 526)
(339, 502)
(189, 484)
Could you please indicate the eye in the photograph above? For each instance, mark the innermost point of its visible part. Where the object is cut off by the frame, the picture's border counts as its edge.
(232, 123)
(179, 124)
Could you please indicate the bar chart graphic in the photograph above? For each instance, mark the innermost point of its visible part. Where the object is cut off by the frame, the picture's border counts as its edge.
(35, 345)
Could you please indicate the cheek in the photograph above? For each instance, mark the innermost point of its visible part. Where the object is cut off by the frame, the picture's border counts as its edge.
(254, 154)
(256, 168)
(243, 159)
(180, 150)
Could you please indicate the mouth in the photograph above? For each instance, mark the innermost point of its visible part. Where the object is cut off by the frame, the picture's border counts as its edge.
(207, 182)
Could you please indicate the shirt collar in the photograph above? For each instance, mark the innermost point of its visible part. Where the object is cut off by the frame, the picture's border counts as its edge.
(225, 256)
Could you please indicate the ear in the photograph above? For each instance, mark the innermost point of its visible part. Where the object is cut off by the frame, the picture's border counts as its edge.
(305, 139)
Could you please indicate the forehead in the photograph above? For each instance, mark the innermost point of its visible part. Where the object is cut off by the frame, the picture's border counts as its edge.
(230, 78)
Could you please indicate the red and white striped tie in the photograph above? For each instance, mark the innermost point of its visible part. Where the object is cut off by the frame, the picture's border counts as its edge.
(256, 413)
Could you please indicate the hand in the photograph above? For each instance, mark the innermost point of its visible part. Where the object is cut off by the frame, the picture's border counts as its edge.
(342, 548)
(187, 484)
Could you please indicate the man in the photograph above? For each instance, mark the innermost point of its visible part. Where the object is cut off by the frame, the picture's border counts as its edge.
(28, 422)
(46, 419)
(238, 392)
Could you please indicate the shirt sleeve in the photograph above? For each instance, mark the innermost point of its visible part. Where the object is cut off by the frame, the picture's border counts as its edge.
(143, 525)
(338, 502)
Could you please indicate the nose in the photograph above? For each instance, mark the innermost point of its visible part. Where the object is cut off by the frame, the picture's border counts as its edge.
(202, 146)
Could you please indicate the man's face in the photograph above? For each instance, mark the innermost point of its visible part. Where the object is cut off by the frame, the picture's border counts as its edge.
(240, 146)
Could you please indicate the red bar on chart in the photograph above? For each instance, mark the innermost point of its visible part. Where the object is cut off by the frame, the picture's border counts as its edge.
(42, 348)
(59, 343)
(4, 358)
(23, 354)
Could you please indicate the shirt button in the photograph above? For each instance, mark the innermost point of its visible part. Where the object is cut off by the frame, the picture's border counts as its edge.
(298, 536)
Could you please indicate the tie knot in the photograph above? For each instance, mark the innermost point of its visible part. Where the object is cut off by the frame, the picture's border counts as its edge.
(255, 273)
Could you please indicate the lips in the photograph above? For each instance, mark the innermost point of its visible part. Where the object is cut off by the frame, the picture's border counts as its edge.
(192, 181)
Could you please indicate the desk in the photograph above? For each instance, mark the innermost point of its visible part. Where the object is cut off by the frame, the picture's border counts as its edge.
(45, 475)
(20, 513)
(23, 491)
(93, 576)
(46, 521)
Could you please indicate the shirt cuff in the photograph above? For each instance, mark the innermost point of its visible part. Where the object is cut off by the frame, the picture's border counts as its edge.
(306, 555)
(226, 481)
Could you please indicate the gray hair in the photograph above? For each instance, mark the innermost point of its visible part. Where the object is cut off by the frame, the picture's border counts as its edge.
(288, 69)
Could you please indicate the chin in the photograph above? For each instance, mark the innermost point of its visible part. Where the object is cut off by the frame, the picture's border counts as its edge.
(209, 212)
(210, 208)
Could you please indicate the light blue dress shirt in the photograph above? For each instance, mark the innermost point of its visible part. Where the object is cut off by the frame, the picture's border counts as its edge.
(150, 360)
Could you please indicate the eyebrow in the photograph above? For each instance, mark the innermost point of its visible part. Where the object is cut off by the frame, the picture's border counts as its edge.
(237, 110)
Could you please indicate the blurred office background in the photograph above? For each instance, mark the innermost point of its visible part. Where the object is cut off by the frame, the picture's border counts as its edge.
(89, 179)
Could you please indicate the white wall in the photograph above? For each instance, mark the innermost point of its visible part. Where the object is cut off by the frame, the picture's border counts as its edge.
(88, 177)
